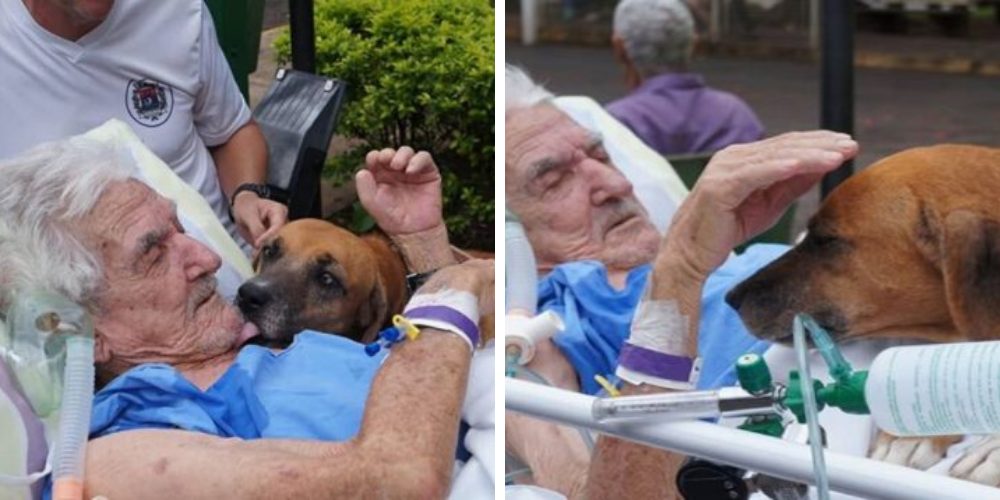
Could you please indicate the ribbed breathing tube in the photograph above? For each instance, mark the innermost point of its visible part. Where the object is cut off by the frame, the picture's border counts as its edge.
(521, 275)
(49, 347)
(524, 329)
(74, 424)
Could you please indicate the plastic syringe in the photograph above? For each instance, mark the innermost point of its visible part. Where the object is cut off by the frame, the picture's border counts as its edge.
(725, 402)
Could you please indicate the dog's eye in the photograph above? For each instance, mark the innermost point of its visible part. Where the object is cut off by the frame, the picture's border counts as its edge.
(824, 240)
(327, 279)
(268, 252)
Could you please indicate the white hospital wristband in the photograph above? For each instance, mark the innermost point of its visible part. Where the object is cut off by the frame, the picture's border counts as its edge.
(449, 310)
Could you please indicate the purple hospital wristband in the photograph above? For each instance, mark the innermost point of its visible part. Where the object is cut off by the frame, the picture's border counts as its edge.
(657, 364)
(447, 315)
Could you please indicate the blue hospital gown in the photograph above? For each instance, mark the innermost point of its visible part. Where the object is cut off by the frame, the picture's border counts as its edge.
(315, 389)
(598, 317)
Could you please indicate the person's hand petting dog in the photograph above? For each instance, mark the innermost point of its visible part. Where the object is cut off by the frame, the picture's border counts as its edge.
(401, 189)
(745, 189)
(256, 218)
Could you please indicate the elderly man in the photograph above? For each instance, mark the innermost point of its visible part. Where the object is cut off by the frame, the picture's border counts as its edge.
(71, 65)
(178, 384)
(670, 108)
(576, 206)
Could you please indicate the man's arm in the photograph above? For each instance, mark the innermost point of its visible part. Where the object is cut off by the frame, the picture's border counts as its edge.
(241, 160)
(743, 191)
(405, 448)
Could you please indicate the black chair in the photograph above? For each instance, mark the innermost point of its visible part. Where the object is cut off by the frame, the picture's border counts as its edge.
(297, 116)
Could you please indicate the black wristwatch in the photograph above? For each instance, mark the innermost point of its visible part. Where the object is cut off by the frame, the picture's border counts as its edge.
(416, 280)
(262, 190)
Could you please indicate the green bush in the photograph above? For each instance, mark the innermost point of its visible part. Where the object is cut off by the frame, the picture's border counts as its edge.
(420, 73)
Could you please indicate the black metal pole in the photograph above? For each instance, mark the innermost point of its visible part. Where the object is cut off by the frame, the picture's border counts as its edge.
(300, 14)
(837, 77)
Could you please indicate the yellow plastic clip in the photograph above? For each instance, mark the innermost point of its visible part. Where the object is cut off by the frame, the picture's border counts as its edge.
(606, 384)
(404, 325)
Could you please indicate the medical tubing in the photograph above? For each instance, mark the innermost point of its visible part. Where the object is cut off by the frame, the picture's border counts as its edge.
(74, 422)
(668, 406)
(837, 365)
(521, 274)
(812, 413)
(524, 333)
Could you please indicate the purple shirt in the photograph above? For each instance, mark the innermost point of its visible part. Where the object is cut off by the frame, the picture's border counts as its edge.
(675, 113)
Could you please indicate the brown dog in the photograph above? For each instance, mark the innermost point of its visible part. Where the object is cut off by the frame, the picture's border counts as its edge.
(910, 247)
(317, 276)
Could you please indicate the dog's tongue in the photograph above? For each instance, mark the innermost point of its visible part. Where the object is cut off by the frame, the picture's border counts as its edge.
(248, 332)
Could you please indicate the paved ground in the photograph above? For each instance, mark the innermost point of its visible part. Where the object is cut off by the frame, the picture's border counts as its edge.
(894, 109)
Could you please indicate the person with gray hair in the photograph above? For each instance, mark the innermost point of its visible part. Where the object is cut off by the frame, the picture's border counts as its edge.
(647, 308)
(669, 107)
(186, 410)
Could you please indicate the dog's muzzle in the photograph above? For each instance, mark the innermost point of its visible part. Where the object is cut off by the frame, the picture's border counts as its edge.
(254, 295)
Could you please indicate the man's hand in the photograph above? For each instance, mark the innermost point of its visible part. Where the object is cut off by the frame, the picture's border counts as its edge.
(256, 218)
(401, 190)
(745, 189)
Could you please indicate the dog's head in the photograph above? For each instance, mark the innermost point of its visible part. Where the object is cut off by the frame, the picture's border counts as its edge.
(314, 275)
(909, 247)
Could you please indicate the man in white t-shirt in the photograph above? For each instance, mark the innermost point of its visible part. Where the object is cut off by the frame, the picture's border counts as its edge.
(70, 65)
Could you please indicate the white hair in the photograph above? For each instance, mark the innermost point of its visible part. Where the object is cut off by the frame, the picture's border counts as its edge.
(44, 195)
(520, 91)
(658, 34)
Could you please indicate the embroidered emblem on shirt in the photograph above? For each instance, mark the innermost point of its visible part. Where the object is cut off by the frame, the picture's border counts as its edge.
(149, 102)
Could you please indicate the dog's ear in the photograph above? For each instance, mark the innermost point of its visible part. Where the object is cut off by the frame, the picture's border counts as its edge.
(970, 263)
(372, 313)
(928, 234)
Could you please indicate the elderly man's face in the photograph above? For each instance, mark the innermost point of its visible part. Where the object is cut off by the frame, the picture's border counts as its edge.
(158, 302)
(573, 202)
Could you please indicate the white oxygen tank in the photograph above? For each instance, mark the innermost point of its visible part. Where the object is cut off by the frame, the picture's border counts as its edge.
(936, 389)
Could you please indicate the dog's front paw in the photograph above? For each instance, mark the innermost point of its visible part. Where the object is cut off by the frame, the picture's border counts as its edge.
(918, 453)
(980, 463)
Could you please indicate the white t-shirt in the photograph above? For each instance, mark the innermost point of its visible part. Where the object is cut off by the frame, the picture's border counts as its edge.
(155, 65)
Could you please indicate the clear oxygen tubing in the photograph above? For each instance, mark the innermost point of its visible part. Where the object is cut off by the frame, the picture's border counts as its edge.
(812, 412)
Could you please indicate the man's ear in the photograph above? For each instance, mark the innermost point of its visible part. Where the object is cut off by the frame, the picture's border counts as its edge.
(632, 79)
(373, 312)
(618, 48)
(970, 264)
(102, 351)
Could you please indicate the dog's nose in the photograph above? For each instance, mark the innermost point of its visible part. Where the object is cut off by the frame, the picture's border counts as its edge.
(253, 295)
